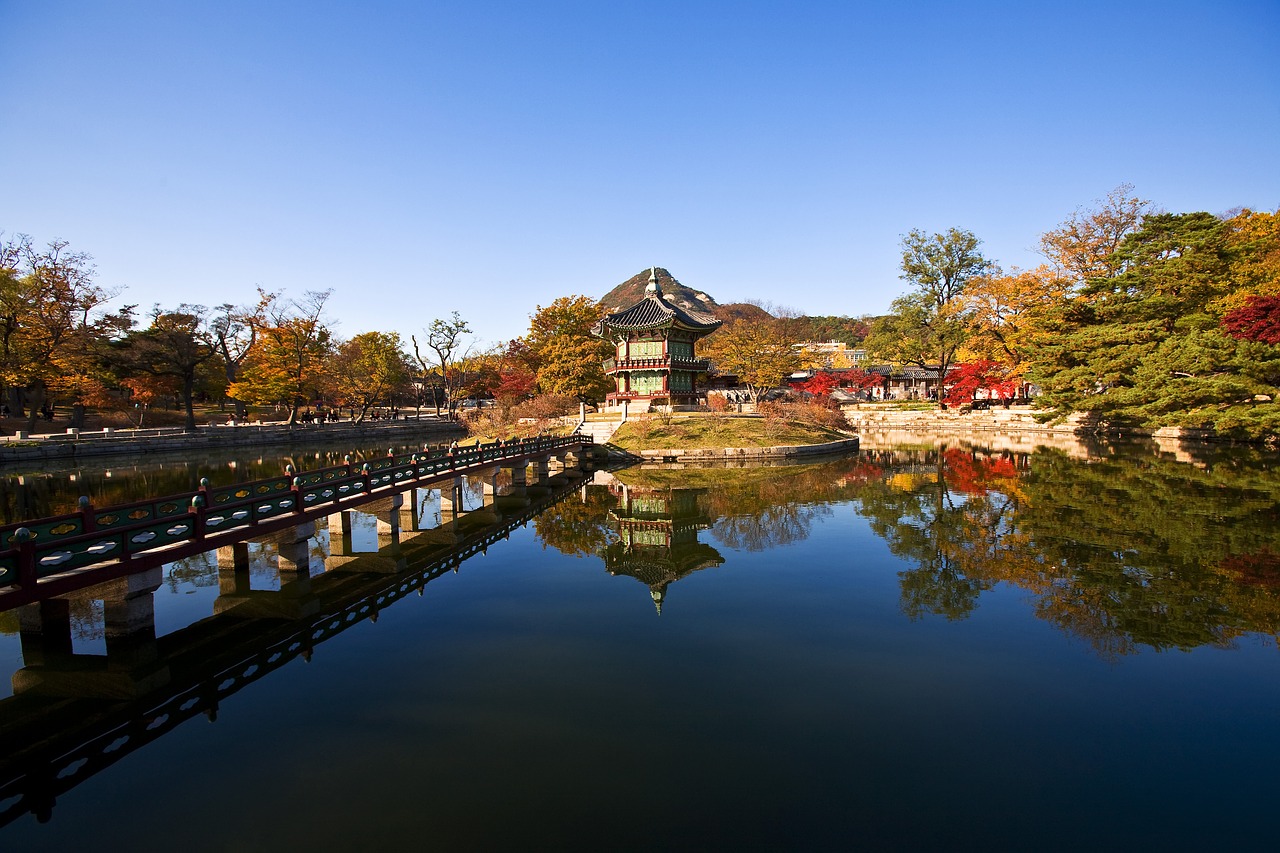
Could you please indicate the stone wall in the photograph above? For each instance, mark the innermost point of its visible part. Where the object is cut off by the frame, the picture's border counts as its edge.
(124, 442)
(699, 456)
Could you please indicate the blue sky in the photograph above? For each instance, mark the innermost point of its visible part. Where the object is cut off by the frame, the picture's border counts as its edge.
(422, 158)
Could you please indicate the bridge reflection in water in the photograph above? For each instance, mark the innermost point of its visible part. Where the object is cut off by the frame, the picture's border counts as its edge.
(74, 714)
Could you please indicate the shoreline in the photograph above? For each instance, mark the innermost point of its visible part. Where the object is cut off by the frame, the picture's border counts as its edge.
(76, 445)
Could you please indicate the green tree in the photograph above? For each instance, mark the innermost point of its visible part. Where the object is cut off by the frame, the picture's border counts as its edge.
(176, 345)
(928, 325)
(1145, 344)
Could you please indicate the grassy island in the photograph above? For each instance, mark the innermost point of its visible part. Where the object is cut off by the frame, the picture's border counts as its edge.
(698, 431)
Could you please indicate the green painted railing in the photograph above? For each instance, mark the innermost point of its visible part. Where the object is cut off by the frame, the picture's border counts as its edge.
(42, 547)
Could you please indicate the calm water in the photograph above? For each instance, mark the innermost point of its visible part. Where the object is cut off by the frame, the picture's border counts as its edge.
(933, 648)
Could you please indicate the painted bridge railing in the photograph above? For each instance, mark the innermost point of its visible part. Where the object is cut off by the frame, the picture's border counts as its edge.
(44, 547)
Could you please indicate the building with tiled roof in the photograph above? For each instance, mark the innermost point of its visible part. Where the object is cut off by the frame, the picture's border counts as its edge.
(654, 349)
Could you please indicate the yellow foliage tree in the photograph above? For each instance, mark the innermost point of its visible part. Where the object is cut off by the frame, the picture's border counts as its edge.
(1007, 313)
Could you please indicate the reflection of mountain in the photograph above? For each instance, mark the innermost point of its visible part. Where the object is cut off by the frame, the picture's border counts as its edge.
(658, 538)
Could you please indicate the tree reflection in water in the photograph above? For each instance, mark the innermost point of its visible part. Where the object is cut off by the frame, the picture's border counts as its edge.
(1128, 550)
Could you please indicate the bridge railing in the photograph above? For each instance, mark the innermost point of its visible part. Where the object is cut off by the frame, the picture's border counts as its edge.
(43, 547)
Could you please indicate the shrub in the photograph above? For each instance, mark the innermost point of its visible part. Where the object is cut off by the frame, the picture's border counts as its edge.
(546, 407)
(820, 414)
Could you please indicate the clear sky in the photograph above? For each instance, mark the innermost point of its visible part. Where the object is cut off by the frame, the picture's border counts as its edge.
(425, 157)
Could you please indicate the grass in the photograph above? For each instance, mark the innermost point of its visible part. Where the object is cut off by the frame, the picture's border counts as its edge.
(695, 431)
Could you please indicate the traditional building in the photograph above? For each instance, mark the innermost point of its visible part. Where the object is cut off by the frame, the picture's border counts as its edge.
(654, 341)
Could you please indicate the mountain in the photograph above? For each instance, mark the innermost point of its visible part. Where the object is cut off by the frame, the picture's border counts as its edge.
(631, 291)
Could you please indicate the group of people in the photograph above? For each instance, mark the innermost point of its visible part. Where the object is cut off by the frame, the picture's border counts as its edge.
(320, 417)
(46, 411)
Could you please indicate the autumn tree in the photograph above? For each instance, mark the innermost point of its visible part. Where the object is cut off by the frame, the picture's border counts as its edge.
(760, 354)
(516, 380)
(1086, 245)
(52, 325)
(289, 357)
(968, 379)
(1007, 314)
(1257, 320)
(928, 325)
(820, 384)
(566, 358)
(1253, 247)
(368, 369)
(174, 347)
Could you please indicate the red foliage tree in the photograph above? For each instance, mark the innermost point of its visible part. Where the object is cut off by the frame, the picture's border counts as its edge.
(964, 383)
(1257, 320)
(821, 384)
(861, 380)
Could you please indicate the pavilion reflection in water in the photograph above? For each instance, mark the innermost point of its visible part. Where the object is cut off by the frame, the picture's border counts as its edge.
(658, 537)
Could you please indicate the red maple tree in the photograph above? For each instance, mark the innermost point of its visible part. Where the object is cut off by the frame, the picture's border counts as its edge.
(1257, 320)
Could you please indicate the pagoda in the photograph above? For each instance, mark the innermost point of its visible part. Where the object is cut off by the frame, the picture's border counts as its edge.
(653, 349)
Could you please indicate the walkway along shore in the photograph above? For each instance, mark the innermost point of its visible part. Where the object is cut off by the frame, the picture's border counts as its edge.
(75, 444)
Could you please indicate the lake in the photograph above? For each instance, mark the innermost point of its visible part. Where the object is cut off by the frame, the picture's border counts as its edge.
(915, 647)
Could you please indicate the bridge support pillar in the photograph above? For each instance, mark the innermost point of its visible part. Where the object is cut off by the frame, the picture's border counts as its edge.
(411, 512)
(451, 497)
(233, 556)
(490, 480)
(340, 534)
(45, 630)
(129, 614)
(128, 604)
(294, 558)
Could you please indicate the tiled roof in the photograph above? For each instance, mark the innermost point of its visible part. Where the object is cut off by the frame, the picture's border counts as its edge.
(652, 312)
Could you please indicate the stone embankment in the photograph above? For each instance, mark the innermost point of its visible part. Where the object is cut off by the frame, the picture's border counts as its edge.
(1015, 428)
(75, 444)
(712, 455)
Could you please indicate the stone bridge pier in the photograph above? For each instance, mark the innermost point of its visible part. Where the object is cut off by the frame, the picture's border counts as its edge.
(293, 600)
(131, 666)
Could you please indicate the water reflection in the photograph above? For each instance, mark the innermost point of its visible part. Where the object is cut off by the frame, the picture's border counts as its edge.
(55, 487)
(838, 623)
(657, 541)
(78, 707)
(1123, 551)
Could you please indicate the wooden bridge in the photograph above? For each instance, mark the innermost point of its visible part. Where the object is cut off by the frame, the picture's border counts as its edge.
(74, 715)
(50, 557)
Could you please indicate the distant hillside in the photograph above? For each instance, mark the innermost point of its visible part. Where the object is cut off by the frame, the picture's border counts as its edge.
(736, 311)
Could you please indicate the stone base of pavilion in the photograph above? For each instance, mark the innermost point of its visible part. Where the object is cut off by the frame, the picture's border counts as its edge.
(640, 405)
